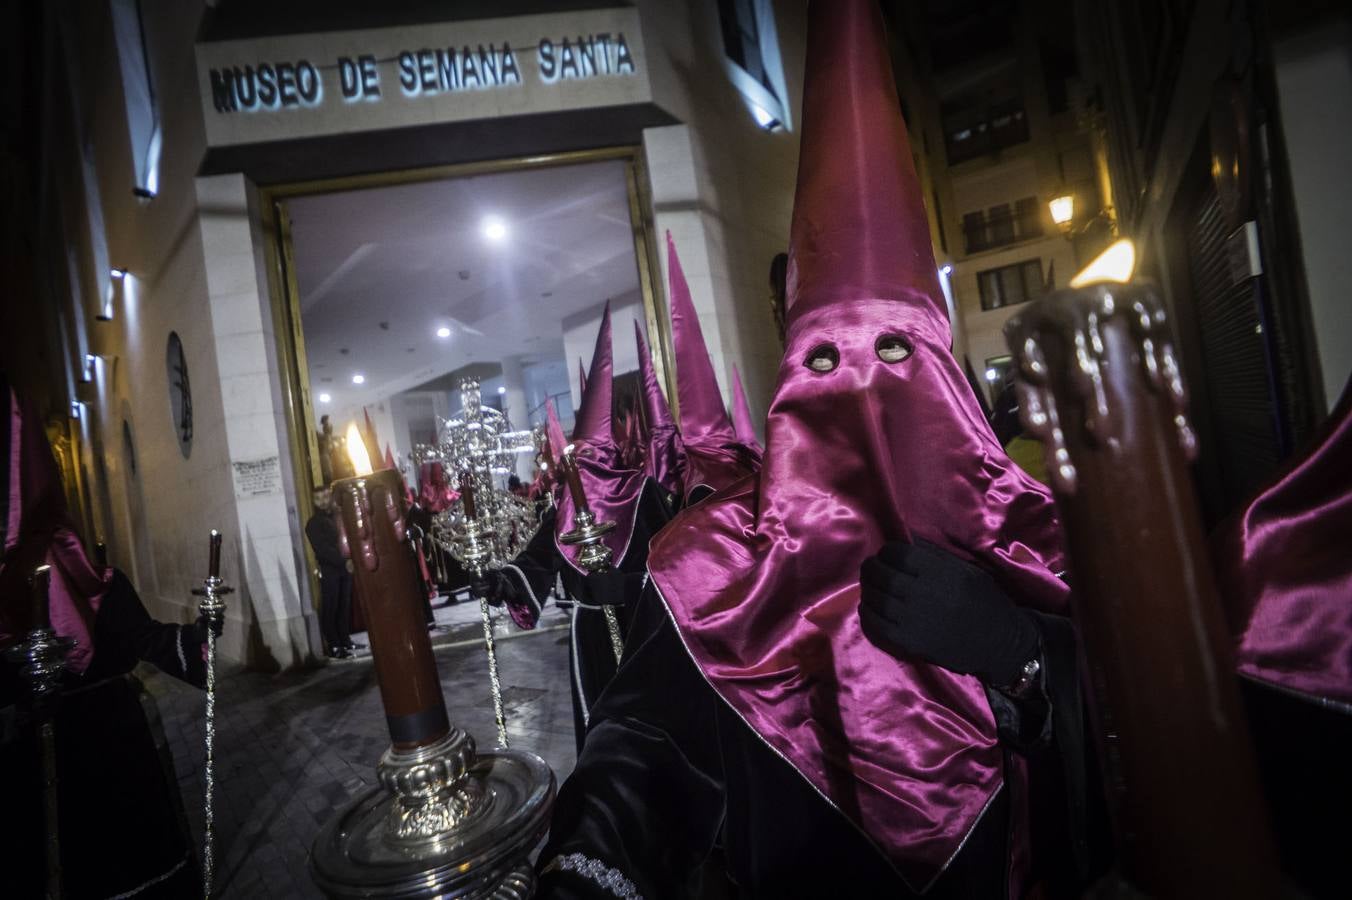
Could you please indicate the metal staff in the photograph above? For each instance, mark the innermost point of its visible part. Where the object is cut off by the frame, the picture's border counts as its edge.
(212, 607)
(476, 555)
(42, 658)
(593, 555)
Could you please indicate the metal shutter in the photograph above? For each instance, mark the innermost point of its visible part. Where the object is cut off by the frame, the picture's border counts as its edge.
(1234, 362)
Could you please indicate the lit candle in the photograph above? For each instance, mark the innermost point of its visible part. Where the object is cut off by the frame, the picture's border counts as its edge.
(370, 506)
(1101, 387)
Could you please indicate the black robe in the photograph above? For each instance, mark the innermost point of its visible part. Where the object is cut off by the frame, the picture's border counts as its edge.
(676, 794)
(591, 657)
(122, 824)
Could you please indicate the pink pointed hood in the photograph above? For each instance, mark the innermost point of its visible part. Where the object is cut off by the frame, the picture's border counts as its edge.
(741, 413)
(665, 456)
(713, 456)
(39, 530)
(872, 435)
(554, 430)
(612, 487)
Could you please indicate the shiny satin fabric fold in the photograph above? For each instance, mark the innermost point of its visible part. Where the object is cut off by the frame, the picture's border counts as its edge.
(1285, 570)
(612, 488)
(872, 435)
(743, 423)
(39, 530)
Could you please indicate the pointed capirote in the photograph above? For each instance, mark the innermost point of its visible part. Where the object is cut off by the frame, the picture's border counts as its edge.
(581, 381)
(656, 412)
(372, 441)
(859, 229)
(593, 417)
(701, 403)
(741, 413)
(555, 432)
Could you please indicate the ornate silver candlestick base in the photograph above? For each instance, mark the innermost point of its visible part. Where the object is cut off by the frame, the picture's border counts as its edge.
(445, 822)
(594, 556)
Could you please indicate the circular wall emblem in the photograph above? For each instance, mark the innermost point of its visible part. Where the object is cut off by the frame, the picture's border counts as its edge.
(180, 393)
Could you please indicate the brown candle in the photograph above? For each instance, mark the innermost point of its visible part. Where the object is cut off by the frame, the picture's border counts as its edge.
(1101, 387)
(467, 495)
(214, 559)
(386, 578)
(568, 465)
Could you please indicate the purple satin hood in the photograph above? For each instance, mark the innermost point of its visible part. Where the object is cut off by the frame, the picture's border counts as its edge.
(612, 488)
(663, 461)
(1285, 570)
(39, 530)
(742, 422)
(713, 457)
(762, 580)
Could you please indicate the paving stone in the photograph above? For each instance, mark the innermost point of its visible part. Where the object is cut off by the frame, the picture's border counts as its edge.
(293, 749)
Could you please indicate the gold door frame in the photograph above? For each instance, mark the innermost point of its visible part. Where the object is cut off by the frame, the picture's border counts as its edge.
(284, 294)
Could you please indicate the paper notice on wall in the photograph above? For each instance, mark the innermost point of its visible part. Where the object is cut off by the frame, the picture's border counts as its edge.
(255, 477)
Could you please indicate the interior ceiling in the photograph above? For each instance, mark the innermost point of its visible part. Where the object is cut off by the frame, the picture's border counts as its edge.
(380, 270)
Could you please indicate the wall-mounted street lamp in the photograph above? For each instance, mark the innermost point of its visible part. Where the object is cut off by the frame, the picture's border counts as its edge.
(1063, 211)
(1063, 214)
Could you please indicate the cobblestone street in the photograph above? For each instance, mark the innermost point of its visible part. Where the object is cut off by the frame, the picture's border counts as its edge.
(292, 749)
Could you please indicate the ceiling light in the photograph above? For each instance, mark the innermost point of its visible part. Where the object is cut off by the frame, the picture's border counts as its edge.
(502, 389)
(359, 378)
(443, 332)
(494, 228)
(324, 398)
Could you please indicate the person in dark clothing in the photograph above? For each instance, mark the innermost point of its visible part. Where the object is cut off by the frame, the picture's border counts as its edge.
(121, 828)
(335, 581)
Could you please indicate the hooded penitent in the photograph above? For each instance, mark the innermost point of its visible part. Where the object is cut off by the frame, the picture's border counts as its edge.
(38, 530)
(612, 489)
(664, 456)
(713, 456)
(1285, 571)
(873, 435)
(742, 422)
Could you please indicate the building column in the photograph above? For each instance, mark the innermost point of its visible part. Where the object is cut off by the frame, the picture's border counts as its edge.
(269, 620)
(514, 405)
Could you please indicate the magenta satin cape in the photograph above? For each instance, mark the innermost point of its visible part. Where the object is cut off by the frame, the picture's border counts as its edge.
(39, 530)
(762, 578)
(1285, 570)
(712, 457)
(663, 460)
(612, 488)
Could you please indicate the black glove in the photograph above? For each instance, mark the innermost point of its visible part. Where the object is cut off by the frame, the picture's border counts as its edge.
(494, 586)
(612, 587)
(919, 601)
(204, 621)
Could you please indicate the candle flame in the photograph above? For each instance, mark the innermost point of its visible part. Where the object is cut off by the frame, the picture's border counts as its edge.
(356, 451)
(1114, 264)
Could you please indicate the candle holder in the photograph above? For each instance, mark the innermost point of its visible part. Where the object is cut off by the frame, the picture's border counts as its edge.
(213, 608)
(445, 820)
(41, 658)
(1100, 386)
(586, 534)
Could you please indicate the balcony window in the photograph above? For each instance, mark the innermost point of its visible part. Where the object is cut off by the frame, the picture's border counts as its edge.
(1000, 226)
(979, 129)
(1010, 285)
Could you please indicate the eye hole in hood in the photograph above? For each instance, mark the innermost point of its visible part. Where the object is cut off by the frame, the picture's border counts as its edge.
(892, 348)
(822, 358)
